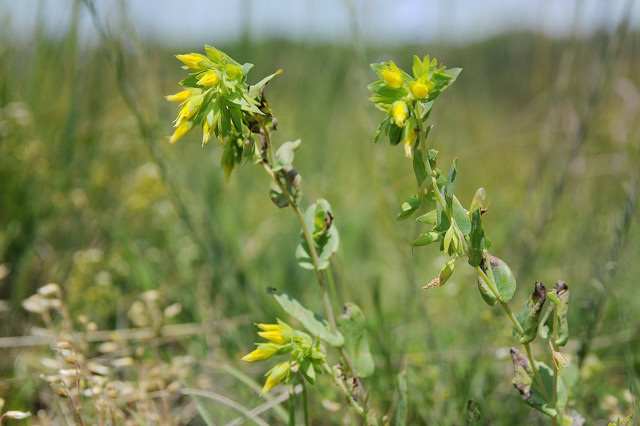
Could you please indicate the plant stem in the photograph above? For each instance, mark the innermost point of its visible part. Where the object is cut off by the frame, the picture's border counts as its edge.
(305, 404)
(488, 279)
(326, 299)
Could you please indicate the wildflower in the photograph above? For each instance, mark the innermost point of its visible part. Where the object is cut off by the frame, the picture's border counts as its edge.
(393, 79)
(189, 109)
(420, 90)
(399, 113)
(276, 375)
(181, 131)
(276, 333)
(183, 95)
(208, 79)
(262, 352)
(195, 61)
(409, 142)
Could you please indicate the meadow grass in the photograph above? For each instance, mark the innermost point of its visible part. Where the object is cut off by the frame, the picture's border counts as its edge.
(92, 196)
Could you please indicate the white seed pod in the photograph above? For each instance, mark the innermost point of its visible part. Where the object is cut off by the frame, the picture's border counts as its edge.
(34, 304)
(172, 310)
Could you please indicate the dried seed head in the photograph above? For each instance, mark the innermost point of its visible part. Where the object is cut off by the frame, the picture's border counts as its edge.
(51, 289)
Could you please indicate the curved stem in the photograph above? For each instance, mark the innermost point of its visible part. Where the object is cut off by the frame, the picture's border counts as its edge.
(326, 299)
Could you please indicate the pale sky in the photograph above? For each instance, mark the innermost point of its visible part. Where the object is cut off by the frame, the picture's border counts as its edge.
(374, 21)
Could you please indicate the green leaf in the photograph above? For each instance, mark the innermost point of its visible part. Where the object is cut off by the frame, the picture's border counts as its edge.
(408, 208)
(559, 296)
(276, 195)
(400, 412)
(430, 218)
(476, 239)
(419, 168)
(284, 154)
(426, 238)
(478, 200)
(443, 223)
(314, 323)
(505, 281)
(256, 89)
(461, 216)
(351, 324)
(319, 221)
(530, 390)
(529, 315)
(486, 293)
(451, 181)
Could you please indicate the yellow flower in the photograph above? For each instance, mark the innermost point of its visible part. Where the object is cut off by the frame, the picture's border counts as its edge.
(181, 131)
(399, 113)
(409, 142)
(189, 109)
(194, 60)
(274, 336)
(277, 373)
(420, 90)
(392, 78)
(183, 95)
(207, 128)
(208, 79)
(262, 352)
(179, 97)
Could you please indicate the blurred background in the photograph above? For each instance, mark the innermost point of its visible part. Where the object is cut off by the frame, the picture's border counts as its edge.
(544, 116)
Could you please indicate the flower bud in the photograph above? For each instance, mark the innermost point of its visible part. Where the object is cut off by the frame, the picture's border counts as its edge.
(276, 375)
(208, 79)
(420, 90)
(194, 60)
(181, 131)
(392, 79)
(399, 113)
(262, 352)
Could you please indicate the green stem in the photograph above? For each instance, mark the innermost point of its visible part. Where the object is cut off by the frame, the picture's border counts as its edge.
(488, 279)
(328, 306)
(556, 370)
(360, 409)
(305, 404)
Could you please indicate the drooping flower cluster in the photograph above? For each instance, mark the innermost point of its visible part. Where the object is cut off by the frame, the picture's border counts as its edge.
(217, 97)
(406, 99)
(306, 357)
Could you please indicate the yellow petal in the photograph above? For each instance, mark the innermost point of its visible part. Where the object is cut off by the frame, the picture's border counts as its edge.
(194, 60)
(260, 354)
(179, 97)
(272, 336)
(270, 327)
(421, 90)
(399, 113)
(208, 79)
(392, 78)
(180, 132)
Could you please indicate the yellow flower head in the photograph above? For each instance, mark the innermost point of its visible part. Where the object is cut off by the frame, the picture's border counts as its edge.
(421, 90)
(399, 113)
(262, 352)
(393, 79)
(181, 131)
(208, 79)
(277, 374)
(194, 61)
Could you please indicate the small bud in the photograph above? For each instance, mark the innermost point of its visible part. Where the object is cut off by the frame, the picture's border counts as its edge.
(262, 352)
(181, 131)
(276, 375)
(421, 90)
(179, 97)
(208, 79)
(194, 60)
(399, 113)
(559, 358)
(392, 79)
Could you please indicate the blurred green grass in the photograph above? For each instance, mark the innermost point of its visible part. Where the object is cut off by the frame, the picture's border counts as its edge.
(88, 201)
